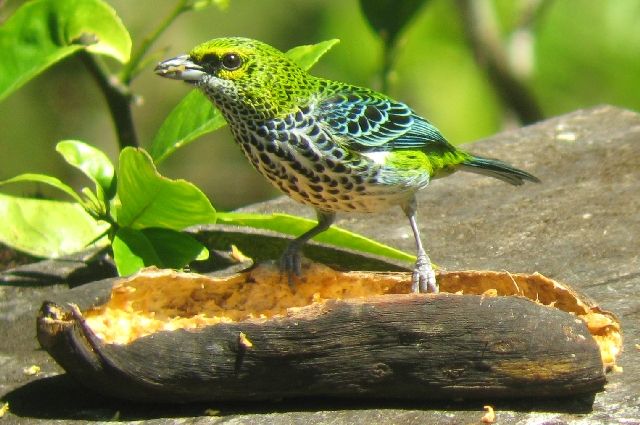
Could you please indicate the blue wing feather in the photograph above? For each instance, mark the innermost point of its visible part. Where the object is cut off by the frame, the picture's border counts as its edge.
(366, 121)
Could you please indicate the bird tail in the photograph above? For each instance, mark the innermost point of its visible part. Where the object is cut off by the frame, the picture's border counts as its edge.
(497, 169)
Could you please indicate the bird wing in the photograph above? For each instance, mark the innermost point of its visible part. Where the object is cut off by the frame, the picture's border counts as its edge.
(366, 121)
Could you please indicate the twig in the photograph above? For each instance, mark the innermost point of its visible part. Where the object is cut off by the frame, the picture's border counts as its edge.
(118, 97)
(131, 68)
(482, 35)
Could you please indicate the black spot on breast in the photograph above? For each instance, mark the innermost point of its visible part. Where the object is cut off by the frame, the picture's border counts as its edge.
(315, 130)
(339, 168)
(316, 187)
(266, 159)
(318, 167)
(318, 196)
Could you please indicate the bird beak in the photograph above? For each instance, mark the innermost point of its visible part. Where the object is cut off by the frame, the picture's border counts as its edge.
(180, 68)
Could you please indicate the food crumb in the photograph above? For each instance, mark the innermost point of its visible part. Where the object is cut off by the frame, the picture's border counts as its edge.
(211, 412)
(238, 256)
(490, 416)
(244, 341)
(4, 409)
(31, 370)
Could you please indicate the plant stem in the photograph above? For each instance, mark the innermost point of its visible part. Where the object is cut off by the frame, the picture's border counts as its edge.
(118, 97)
(483, 37)
(130, 70)
(387, 66)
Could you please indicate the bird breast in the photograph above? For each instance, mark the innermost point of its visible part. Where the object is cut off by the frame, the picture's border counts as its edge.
(299, 157)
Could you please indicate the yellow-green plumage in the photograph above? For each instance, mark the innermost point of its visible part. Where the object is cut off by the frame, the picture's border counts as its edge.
(330, 145)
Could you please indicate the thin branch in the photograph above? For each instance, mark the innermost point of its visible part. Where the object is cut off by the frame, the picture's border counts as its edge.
(131, 68)
(483, 37)
(118, 97)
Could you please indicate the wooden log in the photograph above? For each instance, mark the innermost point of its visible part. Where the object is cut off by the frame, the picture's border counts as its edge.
(397, 345)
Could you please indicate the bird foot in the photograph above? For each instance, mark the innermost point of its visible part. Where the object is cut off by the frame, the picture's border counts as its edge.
(424, 278)
(291, 263)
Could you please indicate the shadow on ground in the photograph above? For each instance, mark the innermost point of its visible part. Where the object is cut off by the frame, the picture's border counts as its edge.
(60, 397)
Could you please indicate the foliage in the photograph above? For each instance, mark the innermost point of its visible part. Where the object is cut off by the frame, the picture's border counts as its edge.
(43, 32)
(138, 211)
(142, 215)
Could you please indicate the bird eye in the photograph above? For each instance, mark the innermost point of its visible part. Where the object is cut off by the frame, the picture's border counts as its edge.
(231, 61)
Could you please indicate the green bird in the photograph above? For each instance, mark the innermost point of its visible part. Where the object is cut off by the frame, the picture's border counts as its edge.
(327, 144)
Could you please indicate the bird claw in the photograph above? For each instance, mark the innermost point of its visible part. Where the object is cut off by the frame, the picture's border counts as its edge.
(424, 278)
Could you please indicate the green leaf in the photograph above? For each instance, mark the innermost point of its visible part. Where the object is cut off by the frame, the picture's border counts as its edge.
(42, 32)
(308, 55)
(190, 119)
(49, 180)
(195, 115)
(132, 251)
(389, 17)
(46, 228)
(295, 226)
(148, 199)
(175, 249)
(92, 162)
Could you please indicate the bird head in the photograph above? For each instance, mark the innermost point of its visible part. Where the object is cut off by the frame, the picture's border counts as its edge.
(241, 76)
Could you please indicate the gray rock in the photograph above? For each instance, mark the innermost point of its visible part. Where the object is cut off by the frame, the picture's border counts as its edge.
(579, 226)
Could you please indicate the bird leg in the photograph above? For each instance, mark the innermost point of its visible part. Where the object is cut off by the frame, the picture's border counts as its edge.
(423, 278)
(290, 262)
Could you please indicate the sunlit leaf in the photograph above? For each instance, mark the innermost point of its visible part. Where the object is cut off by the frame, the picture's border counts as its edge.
(295, 226)
(175, 249)
(42, 32)
(92, 162)
(48, 180)
(46, 228)
(147, 199)
(195, 115)
(308, 55)
(190, 119)
(132, 251)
